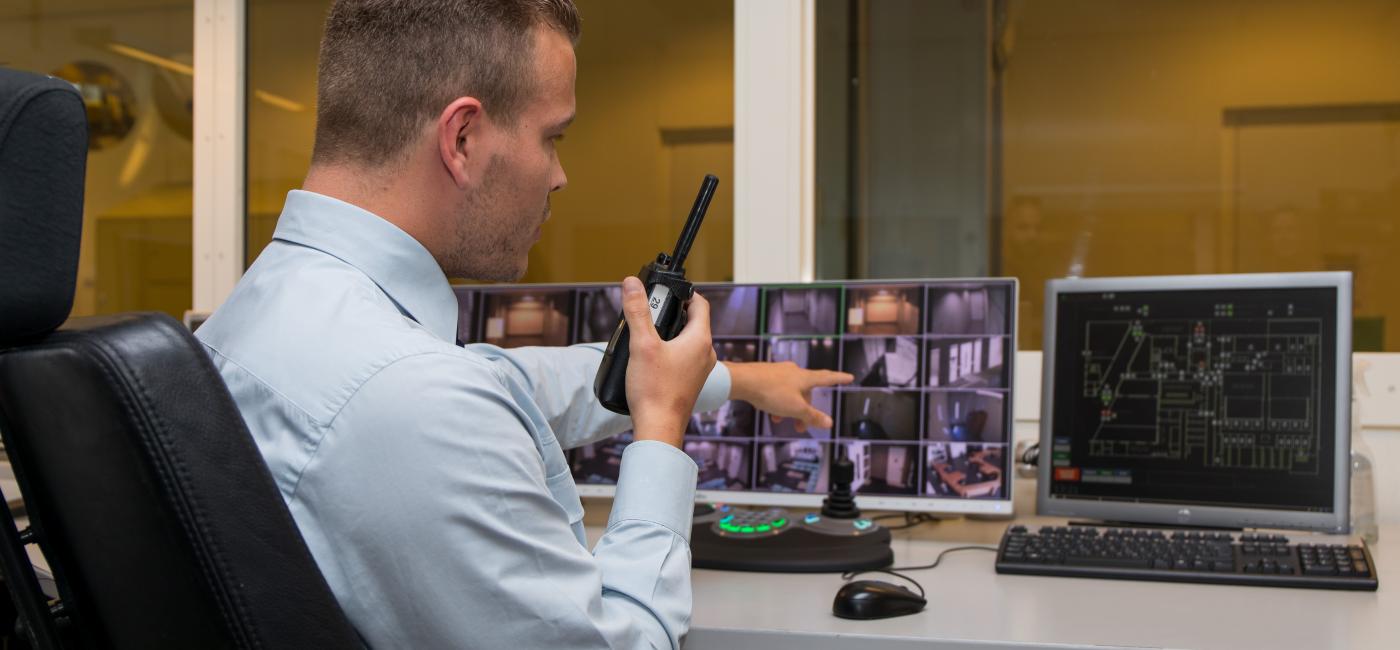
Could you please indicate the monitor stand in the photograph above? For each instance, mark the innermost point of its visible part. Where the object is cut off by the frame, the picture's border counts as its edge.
(776, 540)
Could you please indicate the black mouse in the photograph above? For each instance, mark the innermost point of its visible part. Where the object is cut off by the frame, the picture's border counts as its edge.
(865, 599)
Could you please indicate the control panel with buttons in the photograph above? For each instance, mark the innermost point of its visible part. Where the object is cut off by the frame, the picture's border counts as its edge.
(776, 539)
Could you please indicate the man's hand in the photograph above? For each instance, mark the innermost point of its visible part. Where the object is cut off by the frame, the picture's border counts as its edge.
(783, 390)
(664, 378)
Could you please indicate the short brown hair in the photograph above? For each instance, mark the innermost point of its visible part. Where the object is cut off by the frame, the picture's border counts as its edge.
(387, 66)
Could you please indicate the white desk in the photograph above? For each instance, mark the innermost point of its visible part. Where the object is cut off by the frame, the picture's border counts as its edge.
(971, 606)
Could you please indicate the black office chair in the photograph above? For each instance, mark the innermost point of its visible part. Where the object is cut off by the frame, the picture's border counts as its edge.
(144, 490)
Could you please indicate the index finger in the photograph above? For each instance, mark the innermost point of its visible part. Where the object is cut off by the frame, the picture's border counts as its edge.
(815, 378)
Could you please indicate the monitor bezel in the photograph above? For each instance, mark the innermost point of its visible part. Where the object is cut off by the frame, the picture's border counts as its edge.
(1001, 507)
(1190, 515)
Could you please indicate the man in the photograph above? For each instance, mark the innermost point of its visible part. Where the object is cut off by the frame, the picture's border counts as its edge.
(429, 479)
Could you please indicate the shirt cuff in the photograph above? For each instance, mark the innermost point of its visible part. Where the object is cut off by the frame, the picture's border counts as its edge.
(716, 390)
(656, 484)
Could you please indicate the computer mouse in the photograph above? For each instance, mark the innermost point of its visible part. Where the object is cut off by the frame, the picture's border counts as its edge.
(866, 599)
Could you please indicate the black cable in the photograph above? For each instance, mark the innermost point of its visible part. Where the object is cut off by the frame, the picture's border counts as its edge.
(851, 574)
(895, 571)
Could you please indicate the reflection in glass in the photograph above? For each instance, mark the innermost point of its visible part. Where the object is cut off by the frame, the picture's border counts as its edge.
(110, 103)
(132, 67)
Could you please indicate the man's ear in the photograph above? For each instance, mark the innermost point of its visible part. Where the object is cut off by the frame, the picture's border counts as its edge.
(459, 134)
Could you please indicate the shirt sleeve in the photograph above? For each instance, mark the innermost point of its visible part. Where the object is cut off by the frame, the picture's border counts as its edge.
(561, 382)
(455, 522)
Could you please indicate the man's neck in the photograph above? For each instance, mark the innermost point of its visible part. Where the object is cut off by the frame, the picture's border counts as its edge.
(372, 190)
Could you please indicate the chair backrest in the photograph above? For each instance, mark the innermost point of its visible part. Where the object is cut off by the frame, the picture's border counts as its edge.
(143, 488)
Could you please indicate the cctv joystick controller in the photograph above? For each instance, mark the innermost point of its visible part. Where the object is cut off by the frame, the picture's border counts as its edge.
(834, 539)
(840, 502)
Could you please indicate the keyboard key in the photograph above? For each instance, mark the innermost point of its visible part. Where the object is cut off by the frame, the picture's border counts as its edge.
(1125, 562)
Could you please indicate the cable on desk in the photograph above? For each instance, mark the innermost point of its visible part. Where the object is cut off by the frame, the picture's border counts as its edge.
(895, 571)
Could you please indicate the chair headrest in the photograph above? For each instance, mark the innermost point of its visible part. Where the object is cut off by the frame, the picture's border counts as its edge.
(43, 156)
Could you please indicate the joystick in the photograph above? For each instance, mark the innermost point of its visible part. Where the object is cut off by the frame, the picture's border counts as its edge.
(840, 502)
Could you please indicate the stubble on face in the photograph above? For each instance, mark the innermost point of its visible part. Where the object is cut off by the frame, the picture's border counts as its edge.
(489, 243)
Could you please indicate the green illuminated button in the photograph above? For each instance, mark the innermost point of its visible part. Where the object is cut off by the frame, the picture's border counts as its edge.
(727, 519)
(779, 523)
(746, 529)
(763, 528)
(862, 524)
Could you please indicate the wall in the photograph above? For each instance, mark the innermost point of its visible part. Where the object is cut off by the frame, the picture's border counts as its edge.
(1118, 160)
(655, 107)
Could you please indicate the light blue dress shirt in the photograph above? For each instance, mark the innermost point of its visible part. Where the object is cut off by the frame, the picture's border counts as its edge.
(429, 480)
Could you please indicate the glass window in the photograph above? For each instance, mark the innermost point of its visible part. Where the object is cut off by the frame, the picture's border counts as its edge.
(132, 61)
(1143, 138)
(283, 37)
(655, 113)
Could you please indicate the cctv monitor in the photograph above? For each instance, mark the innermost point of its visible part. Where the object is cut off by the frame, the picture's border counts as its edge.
(1211, 400)
(926, 422)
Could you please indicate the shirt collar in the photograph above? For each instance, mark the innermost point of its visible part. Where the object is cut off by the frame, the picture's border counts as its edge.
(392, 258)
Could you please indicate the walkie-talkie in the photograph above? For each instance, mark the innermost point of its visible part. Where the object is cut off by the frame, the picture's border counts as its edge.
(668, 293)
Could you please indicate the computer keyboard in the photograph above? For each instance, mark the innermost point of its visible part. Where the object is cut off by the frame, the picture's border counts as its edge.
(1184, 556)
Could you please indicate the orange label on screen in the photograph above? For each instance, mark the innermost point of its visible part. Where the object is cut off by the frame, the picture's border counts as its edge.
(1066, 473)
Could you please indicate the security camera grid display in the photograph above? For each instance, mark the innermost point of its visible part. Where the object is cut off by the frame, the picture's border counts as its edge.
(928, 414)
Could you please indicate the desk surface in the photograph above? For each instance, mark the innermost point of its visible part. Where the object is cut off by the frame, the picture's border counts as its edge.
(971, 606)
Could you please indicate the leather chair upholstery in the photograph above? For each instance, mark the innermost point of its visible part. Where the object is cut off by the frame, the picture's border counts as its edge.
(145, 491)
(43, 152)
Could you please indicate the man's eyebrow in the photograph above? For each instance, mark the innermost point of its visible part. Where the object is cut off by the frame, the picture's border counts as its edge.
(564, 124)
